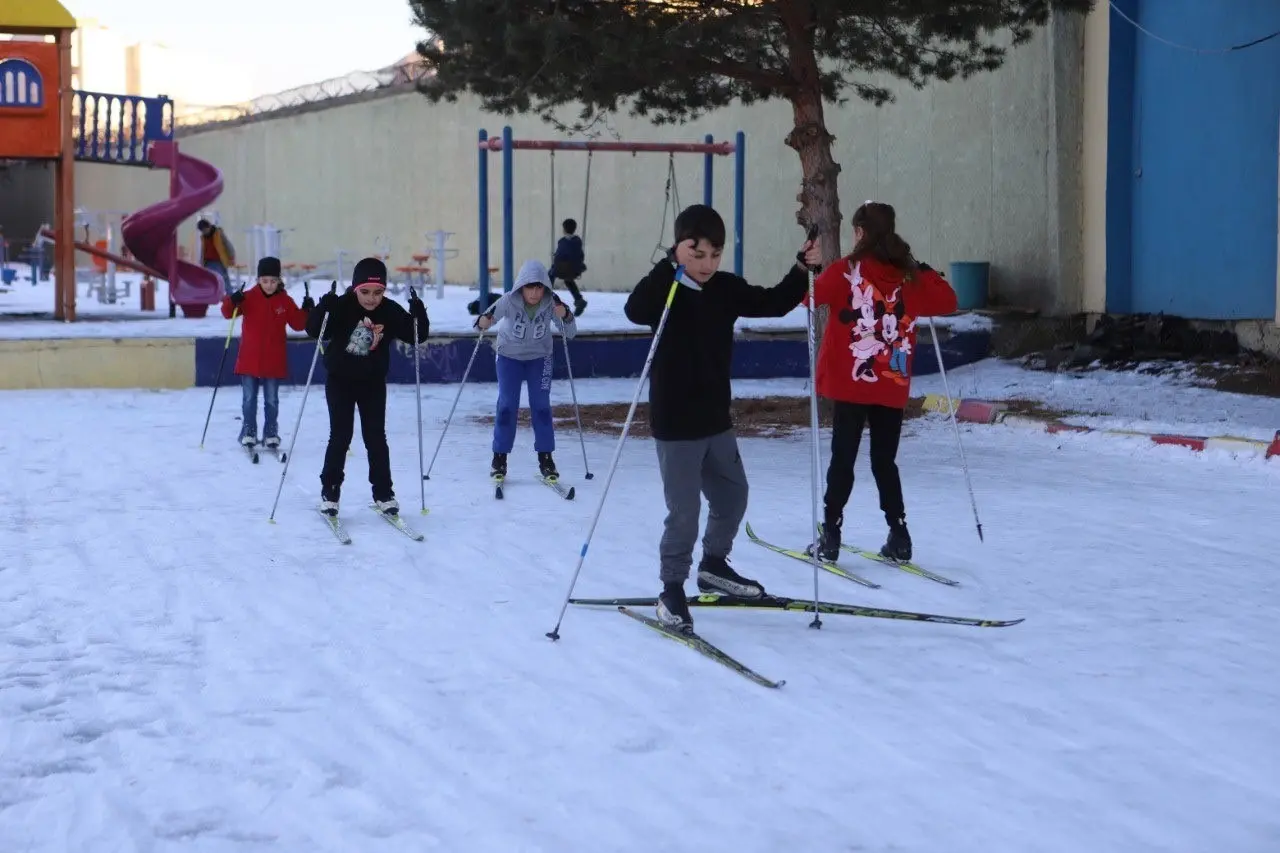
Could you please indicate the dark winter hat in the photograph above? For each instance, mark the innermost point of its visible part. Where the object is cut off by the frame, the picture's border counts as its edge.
(369, 271)
(269, 267)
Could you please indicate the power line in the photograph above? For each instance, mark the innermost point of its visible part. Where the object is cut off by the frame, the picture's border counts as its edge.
(1203, 50)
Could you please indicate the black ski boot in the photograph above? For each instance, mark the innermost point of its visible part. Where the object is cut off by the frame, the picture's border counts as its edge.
(329, 497)
(716, 575)
(898, 545)
(673, 608)
(498, 467)
(547, 467)
(828, 541)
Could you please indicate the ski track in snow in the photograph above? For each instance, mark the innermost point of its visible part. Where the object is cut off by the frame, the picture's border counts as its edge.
(178, 674)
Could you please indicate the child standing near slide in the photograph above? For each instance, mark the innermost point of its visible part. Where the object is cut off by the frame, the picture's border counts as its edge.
(524, 356)
(268, 313)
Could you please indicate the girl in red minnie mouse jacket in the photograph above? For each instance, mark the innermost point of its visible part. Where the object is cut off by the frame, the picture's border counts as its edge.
(874, 297)
(261, 363)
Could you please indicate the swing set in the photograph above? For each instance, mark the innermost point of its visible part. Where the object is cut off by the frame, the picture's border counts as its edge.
(506, 144)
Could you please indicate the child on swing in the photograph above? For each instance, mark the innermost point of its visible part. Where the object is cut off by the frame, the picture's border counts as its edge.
(524, 356)
(875, 296)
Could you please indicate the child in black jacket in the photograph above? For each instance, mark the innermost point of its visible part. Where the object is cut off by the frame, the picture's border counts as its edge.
(356, 359)
(689, 398)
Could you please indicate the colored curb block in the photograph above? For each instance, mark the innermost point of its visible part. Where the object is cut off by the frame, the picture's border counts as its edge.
(995, 412)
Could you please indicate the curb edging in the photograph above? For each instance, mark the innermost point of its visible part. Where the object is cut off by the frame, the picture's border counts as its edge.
(996, 412)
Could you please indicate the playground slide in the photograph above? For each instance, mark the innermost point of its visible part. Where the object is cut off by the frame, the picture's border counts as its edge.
(149, 233)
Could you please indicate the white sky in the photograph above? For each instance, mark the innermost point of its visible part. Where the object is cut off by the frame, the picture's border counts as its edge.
(284, 42)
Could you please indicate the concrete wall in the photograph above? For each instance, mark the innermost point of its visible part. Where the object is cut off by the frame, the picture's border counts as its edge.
(984, 169)
(1094, 163)
(160, 363)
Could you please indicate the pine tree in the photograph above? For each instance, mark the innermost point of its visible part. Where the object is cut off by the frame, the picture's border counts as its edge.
(672, 60)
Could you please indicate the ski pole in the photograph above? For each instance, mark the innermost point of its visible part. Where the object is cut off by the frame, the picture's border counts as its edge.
(951, 408)
(217, 380)
(417, 383)
(301, 406)
(480, 337)
(815, 438)
(577, 413)
(554, 633)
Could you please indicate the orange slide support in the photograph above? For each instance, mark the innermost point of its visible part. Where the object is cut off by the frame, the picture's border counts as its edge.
(148, 294)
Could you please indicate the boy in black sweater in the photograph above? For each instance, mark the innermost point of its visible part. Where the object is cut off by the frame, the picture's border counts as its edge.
(689, 397)
(356, 359)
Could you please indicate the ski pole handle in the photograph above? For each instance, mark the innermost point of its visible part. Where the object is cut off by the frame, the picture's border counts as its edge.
(809, 238)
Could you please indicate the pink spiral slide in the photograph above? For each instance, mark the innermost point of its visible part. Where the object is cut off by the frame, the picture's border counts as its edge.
(150, 234)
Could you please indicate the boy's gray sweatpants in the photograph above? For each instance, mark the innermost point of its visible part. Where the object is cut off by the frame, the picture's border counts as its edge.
(705, 466)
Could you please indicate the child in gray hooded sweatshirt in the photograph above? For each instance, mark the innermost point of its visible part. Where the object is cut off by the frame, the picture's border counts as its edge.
(525, 346)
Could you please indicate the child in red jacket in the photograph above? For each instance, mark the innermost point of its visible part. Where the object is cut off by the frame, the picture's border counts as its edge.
(875, 296)
(261, 363)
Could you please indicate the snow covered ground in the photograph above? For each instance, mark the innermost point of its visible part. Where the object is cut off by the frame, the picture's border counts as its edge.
(178, 674)
(448, 315)
(1174, 402)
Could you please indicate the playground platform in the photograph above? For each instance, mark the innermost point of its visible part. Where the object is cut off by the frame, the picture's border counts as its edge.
(120, 346)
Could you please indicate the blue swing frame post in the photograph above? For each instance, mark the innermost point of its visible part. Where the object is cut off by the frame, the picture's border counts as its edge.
(508, 145)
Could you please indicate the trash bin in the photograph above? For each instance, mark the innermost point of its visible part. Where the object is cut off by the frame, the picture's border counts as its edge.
(970, 280)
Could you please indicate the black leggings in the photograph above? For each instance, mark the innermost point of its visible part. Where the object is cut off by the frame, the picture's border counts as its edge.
(846, 435)
(343, 397)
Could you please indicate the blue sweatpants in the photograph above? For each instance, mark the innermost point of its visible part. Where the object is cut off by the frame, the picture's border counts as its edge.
(512, 375)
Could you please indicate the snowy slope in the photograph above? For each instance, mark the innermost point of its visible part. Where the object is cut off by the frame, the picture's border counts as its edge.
(178, 674)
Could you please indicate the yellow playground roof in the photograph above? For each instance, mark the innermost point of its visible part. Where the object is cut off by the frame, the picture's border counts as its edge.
(46, 15)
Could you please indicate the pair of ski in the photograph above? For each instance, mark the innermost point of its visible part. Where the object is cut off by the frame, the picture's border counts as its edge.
(835, 569)
(339, 529)
(252, 451)
(552, 483)
(769, 602)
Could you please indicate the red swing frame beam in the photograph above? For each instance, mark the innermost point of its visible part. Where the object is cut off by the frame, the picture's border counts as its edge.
(724, 149)
(507, 145)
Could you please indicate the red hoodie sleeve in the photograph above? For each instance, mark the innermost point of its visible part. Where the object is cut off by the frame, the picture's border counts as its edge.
(227, 308)
(830, 286)
(295, 317)
(931, 296)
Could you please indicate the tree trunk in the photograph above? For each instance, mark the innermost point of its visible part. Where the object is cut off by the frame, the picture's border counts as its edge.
(819, 185)
(819, 195)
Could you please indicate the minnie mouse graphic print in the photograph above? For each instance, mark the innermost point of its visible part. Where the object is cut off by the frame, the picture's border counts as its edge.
(869, 345)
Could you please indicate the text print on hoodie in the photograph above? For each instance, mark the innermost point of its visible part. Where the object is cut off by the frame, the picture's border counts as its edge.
(525, 330)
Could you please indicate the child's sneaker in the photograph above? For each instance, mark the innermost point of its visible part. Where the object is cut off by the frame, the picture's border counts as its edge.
(579, 306)
(329, 496)
(388, 507)
(498, 467)
(898, 545)
(716, 575)
(248, 440)
(547, 466)
(271, 442)
(673, 608)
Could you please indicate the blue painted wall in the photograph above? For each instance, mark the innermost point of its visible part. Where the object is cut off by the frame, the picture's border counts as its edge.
(1192, 160)
(593, 357)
